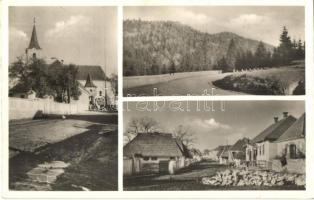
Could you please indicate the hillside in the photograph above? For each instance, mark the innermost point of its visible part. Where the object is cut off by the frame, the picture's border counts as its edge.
(152, 47)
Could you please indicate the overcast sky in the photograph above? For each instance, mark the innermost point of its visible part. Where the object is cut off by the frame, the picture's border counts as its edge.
(256, 22)
(212, 128)
(81, 35)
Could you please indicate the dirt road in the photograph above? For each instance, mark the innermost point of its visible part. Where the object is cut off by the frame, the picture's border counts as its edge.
(198, 84)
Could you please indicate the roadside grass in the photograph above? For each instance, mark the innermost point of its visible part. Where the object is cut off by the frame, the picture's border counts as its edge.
(274, 81)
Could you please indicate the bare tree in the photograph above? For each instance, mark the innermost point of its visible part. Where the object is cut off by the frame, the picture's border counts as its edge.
(141, 125)
(185, 135)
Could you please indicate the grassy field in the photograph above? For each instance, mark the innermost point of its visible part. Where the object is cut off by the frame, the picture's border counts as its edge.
(189, 178)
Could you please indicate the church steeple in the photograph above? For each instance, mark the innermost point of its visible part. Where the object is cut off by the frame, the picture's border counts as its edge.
(34, 42)
(89, 82)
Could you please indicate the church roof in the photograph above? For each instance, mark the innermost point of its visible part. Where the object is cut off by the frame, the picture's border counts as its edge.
(34, 42)
(96, 72)
(89, 82)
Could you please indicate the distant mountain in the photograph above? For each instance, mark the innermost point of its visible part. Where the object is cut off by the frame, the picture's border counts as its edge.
(152, 47)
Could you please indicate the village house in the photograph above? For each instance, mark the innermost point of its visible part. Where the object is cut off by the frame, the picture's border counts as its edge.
(223, 154)
(151, 153)
(237, 151)
(263, 147)
(94, 84)
(291, 145)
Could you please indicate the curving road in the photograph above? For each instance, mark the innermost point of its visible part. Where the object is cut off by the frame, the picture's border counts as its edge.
(195, 84)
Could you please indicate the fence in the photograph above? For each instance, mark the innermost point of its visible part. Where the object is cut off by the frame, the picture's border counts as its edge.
(26, 108)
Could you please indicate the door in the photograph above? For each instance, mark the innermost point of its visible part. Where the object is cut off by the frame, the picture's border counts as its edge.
(163, 166)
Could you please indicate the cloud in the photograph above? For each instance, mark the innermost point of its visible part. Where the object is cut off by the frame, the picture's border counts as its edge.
(17, 34)
(211, 124)
(249, 19)
(63, 27)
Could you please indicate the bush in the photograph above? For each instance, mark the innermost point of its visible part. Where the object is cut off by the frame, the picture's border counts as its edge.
(250, 84)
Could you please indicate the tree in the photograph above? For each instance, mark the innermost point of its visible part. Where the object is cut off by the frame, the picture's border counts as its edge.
(31, 75)
(185, 135)
(63, 81)
(141, 125)
(231, 55)
(223, 65)
(114, 84)
(260, 55)
(285, 48)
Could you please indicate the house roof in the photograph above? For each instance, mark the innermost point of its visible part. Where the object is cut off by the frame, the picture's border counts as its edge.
(96, 72)
(89, 82)
(223, 152)
(296, 131)
(34, 42)
(240, 145)
(153, 144)
(275, 130)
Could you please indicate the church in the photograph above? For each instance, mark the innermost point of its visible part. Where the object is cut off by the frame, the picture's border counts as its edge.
(95, 86)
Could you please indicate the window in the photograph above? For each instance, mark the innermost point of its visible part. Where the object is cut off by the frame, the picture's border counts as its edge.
(293, 151)
(91, 90)
(146, 158)
(263, 149)
(100, 93)
(259, 150)
(154, 158)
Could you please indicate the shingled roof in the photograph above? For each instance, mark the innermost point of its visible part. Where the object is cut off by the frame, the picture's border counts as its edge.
(223, 152)
(296, 131)
(240, 145)
(153, 144)
(275, 130)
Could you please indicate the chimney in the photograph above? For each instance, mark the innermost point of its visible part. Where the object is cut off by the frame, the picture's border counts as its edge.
(285, 114)
(276, 119)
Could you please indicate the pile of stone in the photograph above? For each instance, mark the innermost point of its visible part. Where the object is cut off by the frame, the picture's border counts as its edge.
(253, 178)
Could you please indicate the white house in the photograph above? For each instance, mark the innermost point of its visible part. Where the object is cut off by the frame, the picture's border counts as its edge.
(263, 147)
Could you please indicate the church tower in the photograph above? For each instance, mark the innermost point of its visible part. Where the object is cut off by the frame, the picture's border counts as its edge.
(33, 51)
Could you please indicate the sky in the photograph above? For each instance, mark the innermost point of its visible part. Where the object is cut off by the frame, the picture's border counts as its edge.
(79, 35)
(224, 123)
(255, 22)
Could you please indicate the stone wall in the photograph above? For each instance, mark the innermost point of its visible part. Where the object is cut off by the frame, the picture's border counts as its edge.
(26, 108)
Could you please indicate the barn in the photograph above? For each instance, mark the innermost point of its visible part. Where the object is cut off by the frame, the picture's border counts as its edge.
(150, 153)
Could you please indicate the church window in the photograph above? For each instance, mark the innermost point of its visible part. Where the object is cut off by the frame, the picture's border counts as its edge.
(100, 93)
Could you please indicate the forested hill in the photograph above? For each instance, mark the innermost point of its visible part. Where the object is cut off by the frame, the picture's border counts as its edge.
(154, 47)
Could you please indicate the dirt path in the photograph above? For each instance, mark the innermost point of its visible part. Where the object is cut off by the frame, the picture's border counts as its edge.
(189, 178)
(193, 85)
